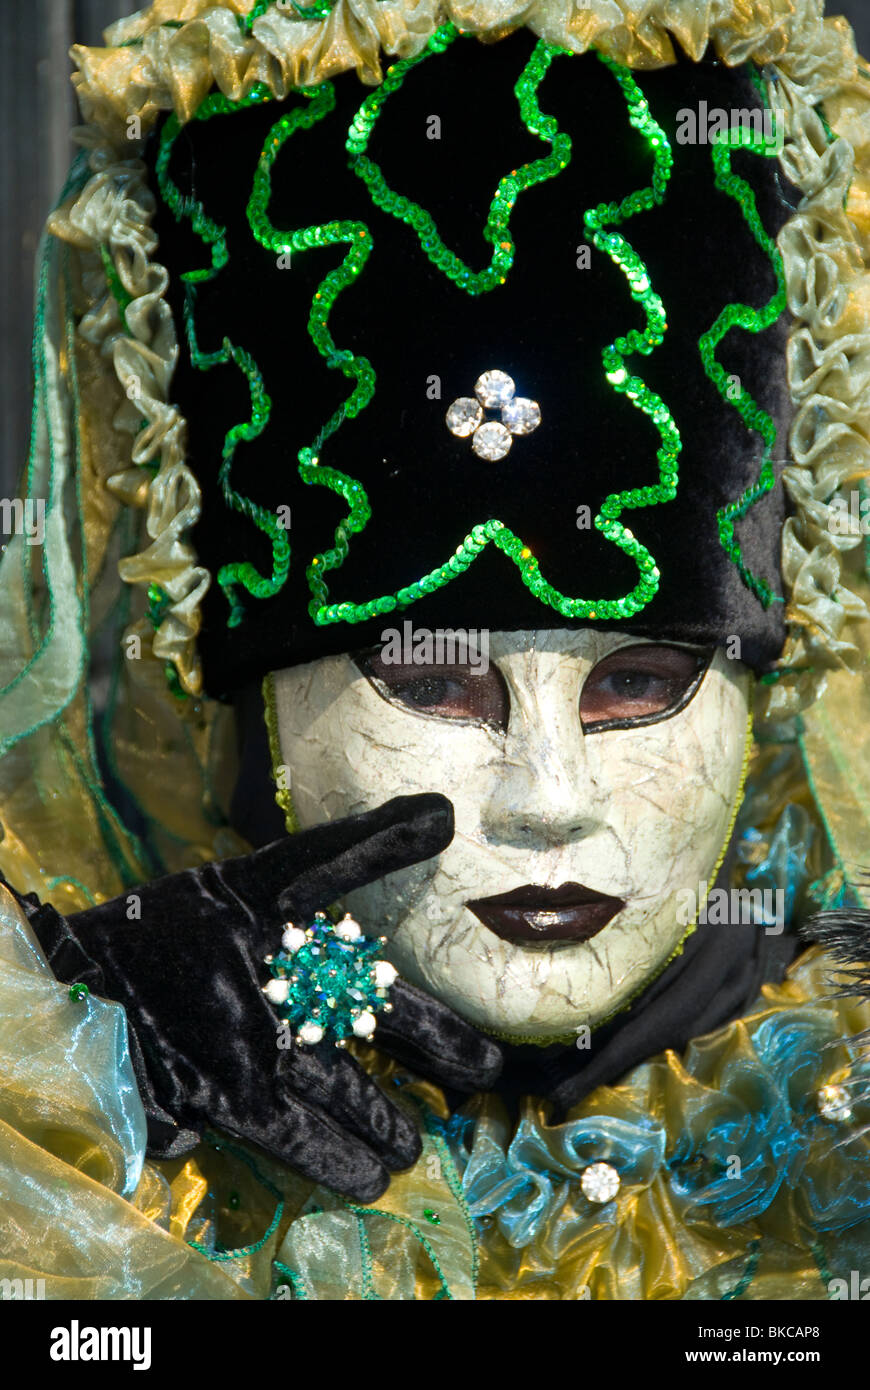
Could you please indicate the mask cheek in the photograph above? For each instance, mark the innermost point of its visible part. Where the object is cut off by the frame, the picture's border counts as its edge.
(649, 800)
(670, 798)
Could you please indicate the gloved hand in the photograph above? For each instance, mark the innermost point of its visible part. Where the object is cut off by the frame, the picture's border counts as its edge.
(189, 973)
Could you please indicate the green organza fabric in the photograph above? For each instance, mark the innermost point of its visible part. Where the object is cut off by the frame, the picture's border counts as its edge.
(78, 1209)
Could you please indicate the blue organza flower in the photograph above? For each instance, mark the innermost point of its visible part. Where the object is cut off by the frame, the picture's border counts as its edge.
(752, 1136)
(527, 1184)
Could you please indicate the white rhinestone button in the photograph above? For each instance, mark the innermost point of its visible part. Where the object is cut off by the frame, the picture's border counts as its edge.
(834, 1104)
(600, 1182)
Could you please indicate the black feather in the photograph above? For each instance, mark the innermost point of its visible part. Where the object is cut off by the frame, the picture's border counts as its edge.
(845, 935)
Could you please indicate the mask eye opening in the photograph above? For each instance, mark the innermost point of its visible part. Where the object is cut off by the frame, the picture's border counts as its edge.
(368, 663)
(703, 659)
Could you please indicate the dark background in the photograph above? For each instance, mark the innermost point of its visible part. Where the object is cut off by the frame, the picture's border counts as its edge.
(37, 111)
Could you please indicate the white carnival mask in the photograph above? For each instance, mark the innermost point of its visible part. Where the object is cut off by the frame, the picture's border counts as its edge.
(600, 765)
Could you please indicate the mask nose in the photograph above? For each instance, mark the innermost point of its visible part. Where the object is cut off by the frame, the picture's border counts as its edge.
(544, 792)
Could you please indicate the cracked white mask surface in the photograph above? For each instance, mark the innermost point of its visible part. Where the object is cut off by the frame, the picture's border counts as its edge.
(641, 813)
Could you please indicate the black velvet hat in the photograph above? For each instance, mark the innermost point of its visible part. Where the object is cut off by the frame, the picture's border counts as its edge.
(498, 344)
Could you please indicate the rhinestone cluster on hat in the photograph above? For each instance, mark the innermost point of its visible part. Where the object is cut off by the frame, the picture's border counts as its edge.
(492, 439)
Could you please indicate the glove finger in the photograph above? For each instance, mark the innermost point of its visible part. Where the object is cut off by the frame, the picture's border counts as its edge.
(302, 873)
(313, 1143)
(431, 1039)
(350, 853)
(337, 1085)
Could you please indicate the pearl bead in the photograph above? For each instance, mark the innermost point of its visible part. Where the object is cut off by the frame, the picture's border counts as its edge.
(292, 939)
(276, 991)
(385, 974)
(348, 929)
(309, 1034)
(364, 1025)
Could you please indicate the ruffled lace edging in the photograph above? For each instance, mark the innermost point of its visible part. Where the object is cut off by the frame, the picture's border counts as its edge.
(170, 55)
(130, 323)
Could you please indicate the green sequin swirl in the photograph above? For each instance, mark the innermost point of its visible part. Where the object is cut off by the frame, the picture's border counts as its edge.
(358, 239)
(213, 235)
(754, 321)
(614, 356)
(497, 229)
(356, 236)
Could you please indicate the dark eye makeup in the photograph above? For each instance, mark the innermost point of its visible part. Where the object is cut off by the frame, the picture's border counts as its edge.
(457, 691)
(640, 685)
(632, 686)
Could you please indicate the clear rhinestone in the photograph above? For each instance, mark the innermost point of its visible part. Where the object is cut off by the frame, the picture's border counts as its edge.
(491, 441)
(464, 416)
(834, 1103)
(494, 389)
(521, 415)
(600, 1182)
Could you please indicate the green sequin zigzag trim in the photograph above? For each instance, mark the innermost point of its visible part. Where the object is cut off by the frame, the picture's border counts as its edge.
(214, 238)
(754, 321)
(497, 229)
(358, 238)
(630, 263)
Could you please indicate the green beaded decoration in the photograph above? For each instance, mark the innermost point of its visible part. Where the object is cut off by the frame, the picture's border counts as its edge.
(754, 321)
(246, 21)
(752, 1262)
(830, 134)
(497, 230)
(122, 297)
(214, 238)
(158, 602)
(322, 9)
(358, 238)
(78, 992)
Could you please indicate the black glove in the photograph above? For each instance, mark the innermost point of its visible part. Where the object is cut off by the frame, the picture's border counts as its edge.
(189, 973)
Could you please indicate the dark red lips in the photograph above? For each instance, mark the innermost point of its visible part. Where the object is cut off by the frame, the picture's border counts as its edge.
(571, 912)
